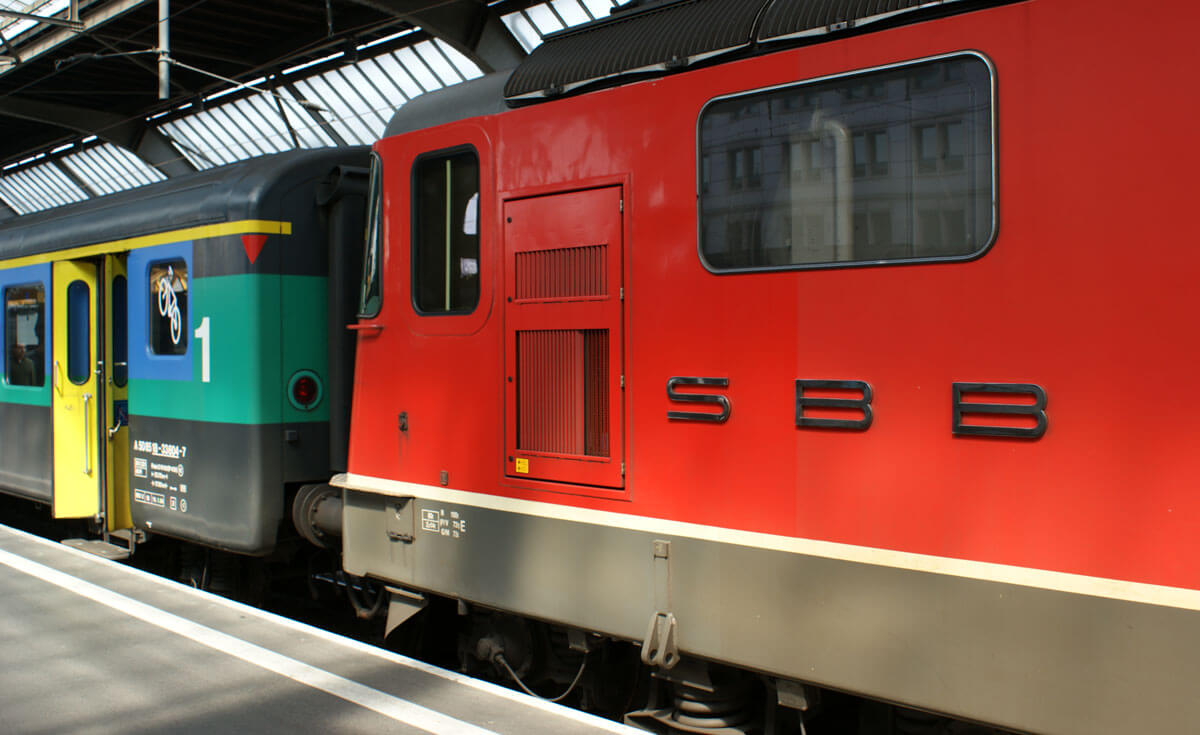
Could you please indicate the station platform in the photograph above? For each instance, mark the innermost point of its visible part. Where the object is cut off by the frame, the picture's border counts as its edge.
(93, 646)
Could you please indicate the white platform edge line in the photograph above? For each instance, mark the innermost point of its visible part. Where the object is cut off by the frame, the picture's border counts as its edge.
(395, 708)
(1114, 589)
(594, 721)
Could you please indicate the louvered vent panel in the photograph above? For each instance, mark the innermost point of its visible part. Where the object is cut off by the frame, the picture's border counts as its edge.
(561, 273)
(562, 393)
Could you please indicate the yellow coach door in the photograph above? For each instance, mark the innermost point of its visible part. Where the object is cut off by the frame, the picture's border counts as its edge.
(76, 391)
(116, 392)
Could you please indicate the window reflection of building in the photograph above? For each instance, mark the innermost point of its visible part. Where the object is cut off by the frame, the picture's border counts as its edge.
(25, 313)
(892, 164)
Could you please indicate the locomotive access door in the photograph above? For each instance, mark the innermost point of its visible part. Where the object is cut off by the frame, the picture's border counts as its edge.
(564, 338)
(75, 390)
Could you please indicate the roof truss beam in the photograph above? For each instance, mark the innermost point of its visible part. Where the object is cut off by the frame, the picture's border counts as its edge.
(71, 21)
(470, 26)
(147, 142)
(48, 42)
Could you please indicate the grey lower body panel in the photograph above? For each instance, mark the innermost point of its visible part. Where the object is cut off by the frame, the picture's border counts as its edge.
(1020, 657)
(26, 459)
(220, 485)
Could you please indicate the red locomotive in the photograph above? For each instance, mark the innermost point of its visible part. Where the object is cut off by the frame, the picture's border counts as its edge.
(844, 343)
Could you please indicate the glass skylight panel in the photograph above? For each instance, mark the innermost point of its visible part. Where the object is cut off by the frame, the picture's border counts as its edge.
(599, 8)
(374, 99)
(571, 12)
(419, 69)
(108, 168)
(14, 200)
(189, 139)
(523, 31)
(345, 115)
(544, 19)
(308, 133)
(432, 53)
(39, 187)
(532, 25)
(391, 71)
(466, 68)
(251, 126)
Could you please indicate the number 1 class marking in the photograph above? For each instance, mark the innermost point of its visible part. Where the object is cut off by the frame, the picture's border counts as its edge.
(202, 335)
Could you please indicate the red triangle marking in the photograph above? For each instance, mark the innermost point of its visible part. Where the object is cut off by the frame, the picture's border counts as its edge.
(253, 245)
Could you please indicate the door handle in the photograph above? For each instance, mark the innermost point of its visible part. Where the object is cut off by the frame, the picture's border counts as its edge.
(87, 436)
(54, 378)
(112, 431)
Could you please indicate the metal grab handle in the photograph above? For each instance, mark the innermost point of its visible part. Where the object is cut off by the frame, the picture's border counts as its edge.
(87, 436)
(112, 431)
(54, 377)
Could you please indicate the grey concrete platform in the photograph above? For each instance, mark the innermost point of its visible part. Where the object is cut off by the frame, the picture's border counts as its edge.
(91, 646)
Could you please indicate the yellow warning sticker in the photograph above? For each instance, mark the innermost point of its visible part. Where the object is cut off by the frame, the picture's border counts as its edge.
(522, 465)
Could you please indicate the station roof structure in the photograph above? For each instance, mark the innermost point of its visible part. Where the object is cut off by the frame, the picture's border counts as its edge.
(81, 113)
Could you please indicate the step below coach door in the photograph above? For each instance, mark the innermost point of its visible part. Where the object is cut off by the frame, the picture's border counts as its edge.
(89, 376)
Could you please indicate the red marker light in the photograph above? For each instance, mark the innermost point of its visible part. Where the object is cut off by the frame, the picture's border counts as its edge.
(304, 390)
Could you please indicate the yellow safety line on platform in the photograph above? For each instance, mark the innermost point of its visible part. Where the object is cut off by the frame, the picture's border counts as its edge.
(240, 227)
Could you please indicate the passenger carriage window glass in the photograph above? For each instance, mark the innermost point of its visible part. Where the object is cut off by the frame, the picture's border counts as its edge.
(885, 166)
(24, 327)
(79, 332)
(120, 330)
(371, 295)
(445, 258)
(168, 307)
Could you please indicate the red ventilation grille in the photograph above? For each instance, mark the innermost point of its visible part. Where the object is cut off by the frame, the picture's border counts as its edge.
(562, 393)
(562, 273)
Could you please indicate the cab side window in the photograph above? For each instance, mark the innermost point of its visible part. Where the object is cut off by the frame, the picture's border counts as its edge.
(445, 237)
(370, 297)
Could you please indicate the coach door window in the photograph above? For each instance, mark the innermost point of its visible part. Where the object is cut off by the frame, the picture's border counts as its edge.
(168, 307)
(79, 332)
(120, 330)
(445, 239)
(24, 314)
(888, 165)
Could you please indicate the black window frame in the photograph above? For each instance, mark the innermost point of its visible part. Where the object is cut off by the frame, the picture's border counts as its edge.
(984, 247)
(414, 223)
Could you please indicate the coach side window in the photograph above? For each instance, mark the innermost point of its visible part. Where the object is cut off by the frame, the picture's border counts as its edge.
(445, 234)
(371, 295)
(24, 314)
(168, 307)
(887, 165)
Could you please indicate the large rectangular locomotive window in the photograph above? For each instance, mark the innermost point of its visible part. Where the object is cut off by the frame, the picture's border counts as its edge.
(445, 235)
(168, 307)
(888, 165)
(371, 295)
(24, 325)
